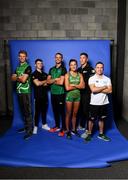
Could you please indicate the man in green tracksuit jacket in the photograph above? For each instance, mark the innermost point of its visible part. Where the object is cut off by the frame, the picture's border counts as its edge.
(56, 80)
(23, 89)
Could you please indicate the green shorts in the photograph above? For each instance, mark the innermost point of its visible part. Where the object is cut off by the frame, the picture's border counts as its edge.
(73, 96)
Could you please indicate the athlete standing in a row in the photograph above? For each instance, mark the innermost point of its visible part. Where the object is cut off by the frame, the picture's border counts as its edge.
(73, 83)
(23, 88)
(56, 80)
(100, 86)
(39, 78)
(87, 71)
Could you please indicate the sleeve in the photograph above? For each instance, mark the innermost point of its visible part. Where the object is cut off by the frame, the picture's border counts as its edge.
(34, 76)
(45, 76)
(64, 71)
(109, 82)
(28, 70)
(91, 81)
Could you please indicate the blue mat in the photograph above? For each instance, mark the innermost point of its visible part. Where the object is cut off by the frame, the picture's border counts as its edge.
(47, 149)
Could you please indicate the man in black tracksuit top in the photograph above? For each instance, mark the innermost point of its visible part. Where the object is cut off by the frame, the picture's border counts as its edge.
(86, 70)
(39, 78)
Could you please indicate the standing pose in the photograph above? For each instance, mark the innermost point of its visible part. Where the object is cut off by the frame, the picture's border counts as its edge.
(39, 78)
(56, 80)
(22, 78)
(100, 86)
(73, 83)
(87, 71)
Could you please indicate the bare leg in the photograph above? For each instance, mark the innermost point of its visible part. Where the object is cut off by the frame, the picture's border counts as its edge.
(74, 114)
(101, 127)
(68, 114)
(90, 127)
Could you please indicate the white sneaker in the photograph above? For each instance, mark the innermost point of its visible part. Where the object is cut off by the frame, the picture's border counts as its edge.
(80, 128)
(35, 130)
(46, 127)
(85, 134)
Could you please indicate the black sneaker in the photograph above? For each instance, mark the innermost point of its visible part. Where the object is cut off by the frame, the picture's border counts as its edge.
(88, 138)
(75, 133)
(22, 130)
(69, 136)
(103, 137)
(27, 136)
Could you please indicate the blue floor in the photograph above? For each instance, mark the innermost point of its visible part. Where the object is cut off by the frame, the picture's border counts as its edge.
(48, 150)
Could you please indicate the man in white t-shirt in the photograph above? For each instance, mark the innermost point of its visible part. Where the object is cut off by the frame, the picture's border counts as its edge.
(100, 86)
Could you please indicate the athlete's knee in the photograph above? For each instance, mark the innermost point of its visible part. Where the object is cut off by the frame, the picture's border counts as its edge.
(68, 113)
(74, 114)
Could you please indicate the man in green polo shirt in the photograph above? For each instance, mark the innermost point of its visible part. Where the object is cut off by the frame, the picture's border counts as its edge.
(56, 80)
(23, 89)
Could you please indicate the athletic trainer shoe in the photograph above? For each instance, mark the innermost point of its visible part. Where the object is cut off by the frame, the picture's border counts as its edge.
(75, 133)
(22, 130)
(61, 133)
(85, 134)
(88, 138)
(46, 127)
(68, 135)
(81, 128)
(35, 130)
(54, 129)
(28, 135)
(103, 137)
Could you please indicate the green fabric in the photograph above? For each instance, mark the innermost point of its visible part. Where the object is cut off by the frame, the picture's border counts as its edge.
(22, 87)
(74, 79)
(56, 73)
(73, 95)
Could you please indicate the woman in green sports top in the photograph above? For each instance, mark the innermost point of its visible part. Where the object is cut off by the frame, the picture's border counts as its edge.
(73, 83)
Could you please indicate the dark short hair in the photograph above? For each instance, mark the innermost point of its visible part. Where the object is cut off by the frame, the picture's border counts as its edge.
(73, 60)
(84, 54)
(23, 52)
(99, 62)
(40, 60)
(59, 54)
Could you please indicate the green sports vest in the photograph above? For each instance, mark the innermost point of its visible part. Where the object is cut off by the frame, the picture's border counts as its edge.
(74, 80)
(22, 87)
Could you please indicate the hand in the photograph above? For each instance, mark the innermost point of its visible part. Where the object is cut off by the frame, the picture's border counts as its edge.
(19, 79)
(14, 77)
(57, 79)
(45, 84)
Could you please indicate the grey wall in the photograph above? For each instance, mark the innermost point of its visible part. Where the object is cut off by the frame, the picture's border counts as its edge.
(55, 19)
(125, 87)
(50, 19)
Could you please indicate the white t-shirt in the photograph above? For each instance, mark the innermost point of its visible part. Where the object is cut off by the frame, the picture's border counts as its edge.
(99, 98)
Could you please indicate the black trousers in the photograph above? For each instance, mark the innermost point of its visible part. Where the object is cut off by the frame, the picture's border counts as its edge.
(41, 106)
(83, 114)
(25, 107)
(58, 106)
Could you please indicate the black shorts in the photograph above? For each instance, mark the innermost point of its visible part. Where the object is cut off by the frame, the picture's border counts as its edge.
(98, 111)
